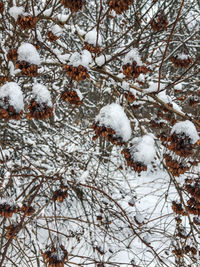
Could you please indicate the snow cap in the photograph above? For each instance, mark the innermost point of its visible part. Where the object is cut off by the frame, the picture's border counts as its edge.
(15, 11)
(113, 116)
(42, 94)
(143, 149)
(91, 38)
(83, 59)
(13, 92)
(131, 56)
(188, 128)
(57, 30)
(28, 53)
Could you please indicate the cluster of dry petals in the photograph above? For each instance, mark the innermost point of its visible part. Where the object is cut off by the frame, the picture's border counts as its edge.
(74, 5)
(119, 6)
(39, 111)
(27, 22)
(78, 74)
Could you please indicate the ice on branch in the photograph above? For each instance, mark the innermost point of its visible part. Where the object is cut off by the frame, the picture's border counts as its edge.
(113, 124)
(187, 128)
(15, 11)
(28, 53)
(140, 153)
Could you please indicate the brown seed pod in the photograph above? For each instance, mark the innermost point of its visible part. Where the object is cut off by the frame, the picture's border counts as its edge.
(137, 166)
(12, 54)
(119, 6)
(27, 22)
(159, 23)
(39, 111)
(1, 7)
(51, 37)
(7, 210)
(28, 69)
(107, 133)
(178, 209)
(71, 96)
(78, 74)
(92, 48)
(130, 97)
(133, 71)
(56, 257)
(181, 61)
(60, 195)
(74, 5)
(12, 231)
(7, 111)
(27, 210)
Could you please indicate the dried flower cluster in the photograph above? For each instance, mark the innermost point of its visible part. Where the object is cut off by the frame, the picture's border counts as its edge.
(28, 69)
(159, 23)
(119, 6)
(106, 132)
(178, 61)
(28, 210)
(7, 210)
(78, 74)
(12, 231)
(7, 111)
(51, 37)
(71, 96)
(27, 22)
(39, 111)
(91, 48)
(56, 257)
(12, 54)
(60, 195)
(133, 71)
(137, 166)
(178, 208)
(193, 204)
(129, 97)
(74, 5)
(175, 167)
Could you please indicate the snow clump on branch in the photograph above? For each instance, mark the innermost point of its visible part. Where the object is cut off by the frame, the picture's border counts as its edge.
(187, 128)
(91, 38)
(12, 91)
(27, 52)
(133, 55)
(113, 116)
(41, 94)
(15, 11)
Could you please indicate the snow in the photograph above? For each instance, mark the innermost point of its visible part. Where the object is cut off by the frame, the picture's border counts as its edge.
(167, 99)
(62, 18)
(13, 92)
(79, 94)
(7, 200)
(83, 59)
(101, 60)
(131, 56)
(48, 12)
(188, 128)
(182, 56)
(113, 116)
(15, 11)
(143, 149)
(42, 94)
(57, 30)
(27, 52)
(91, 38)
(153, 87)
(178, 86)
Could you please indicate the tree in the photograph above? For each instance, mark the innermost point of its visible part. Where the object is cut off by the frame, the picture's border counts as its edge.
(99, 109)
